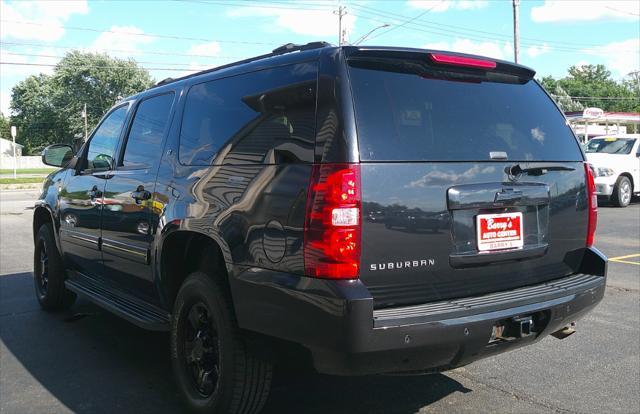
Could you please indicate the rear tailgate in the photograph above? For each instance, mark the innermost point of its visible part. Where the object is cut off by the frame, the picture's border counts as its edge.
(448, 150)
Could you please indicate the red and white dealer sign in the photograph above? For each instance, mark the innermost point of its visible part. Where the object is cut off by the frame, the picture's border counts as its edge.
(500, 231)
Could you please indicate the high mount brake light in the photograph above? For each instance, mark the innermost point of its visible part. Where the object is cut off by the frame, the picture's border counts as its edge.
(462, 61)
(592, 202)
(332, 226)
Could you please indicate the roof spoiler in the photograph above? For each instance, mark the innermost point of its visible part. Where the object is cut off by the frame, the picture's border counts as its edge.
(439, 58)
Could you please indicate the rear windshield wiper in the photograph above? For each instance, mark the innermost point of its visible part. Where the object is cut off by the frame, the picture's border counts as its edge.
(517, 169)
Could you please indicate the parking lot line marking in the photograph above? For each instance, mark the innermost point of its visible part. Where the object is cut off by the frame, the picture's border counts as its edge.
(629, 256)
(625, 261)
(620, 259)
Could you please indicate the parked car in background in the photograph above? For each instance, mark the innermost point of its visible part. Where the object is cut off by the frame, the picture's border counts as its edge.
(327, 201)
(616, 164)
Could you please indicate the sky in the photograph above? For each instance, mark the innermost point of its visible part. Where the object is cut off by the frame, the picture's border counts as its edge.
(174, 38)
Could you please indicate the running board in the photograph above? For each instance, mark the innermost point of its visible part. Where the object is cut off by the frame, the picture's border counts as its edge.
(134, 310)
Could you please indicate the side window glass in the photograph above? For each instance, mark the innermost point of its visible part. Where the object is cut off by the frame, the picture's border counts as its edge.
(103, 144)
(144, 144)
(266, 116)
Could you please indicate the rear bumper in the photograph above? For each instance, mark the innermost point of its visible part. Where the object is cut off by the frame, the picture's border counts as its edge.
(336, 321)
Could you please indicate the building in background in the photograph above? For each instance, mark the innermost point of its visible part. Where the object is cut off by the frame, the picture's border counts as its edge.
(6, 148)
(594, 122)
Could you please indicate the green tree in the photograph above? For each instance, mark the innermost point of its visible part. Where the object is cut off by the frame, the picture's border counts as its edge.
(98, 81)
(561, 96)
(595, 87)
(5, 127)
(48, 108)
(34, 114)
(632, 83)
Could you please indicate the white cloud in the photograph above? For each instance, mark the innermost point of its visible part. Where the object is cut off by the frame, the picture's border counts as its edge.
(44, 18)
(205, 49)
(438, 6)
(585, 10)
(538, 50)
(12, 74)
(622, 57)
(495, 50)
(45, 57)
(311, 22)
(120, 38)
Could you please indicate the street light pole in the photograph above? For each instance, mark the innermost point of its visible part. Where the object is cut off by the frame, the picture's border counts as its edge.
(84, 115)
(364, 37)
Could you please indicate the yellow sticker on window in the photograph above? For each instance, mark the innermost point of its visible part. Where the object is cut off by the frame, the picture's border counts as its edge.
(610, 139)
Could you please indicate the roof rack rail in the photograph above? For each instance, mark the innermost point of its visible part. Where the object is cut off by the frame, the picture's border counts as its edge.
(289, 47)
(164, 81)
(292, 47)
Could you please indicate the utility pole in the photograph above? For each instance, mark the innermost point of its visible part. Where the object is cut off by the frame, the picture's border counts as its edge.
(84, 115)
(341, 12)
(516, 30)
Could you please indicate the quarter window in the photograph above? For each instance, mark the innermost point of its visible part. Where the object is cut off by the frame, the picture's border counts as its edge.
(266, 116)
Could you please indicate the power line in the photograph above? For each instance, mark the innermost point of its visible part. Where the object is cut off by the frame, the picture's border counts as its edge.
(621, 11)
(440, 31)
(133, 52)
(309, 6)
(96, 66)
(407, 21)
(136, 61)
(126, 33)
(433, 24)
(447, 33)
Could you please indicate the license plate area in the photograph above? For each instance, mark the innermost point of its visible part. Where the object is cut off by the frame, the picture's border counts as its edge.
(497, 232)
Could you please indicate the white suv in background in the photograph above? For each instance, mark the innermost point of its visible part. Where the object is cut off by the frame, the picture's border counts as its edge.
(616, 163)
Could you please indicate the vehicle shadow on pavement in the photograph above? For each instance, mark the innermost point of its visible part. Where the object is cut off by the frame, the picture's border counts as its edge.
(90, 361)
(359, 395)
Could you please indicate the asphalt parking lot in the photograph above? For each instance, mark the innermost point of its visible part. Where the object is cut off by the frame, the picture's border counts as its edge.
(88, 361)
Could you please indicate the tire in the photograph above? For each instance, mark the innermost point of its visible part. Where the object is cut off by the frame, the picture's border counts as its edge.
(622, 192)
(216, 346)
(49, 274)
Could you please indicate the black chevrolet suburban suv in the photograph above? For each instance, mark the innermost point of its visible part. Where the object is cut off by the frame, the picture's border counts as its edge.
(381, 210)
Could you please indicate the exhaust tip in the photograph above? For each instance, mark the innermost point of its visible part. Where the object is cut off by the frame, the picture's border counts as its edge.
(565, 332)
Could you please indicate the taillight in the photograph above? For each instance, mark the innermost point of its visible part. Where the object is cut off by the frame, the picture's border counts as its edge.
(332, 227)
(593, 204)
(462, 61)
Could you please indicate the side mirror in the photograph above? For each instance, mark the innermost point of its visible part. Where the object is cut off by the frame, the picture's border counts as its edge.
(57, 155)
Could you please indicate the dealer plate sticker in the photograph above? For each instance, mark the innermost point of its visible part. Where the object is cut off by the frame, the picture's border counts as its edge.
(500, 231)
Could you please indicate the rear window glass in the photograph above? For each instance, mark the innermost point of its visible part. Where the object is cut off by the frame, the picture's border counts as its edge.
(611, 145)
(405, 116)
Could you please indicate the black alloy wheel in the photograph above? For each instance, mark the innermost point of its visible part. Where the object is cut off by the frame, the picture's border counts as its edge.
(215, 367)
(41, 271)
(202, 349)
(48, 272)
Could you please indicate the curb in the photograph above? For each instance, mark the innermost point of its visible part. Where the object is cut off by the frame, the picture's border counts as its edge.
(20, 187)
